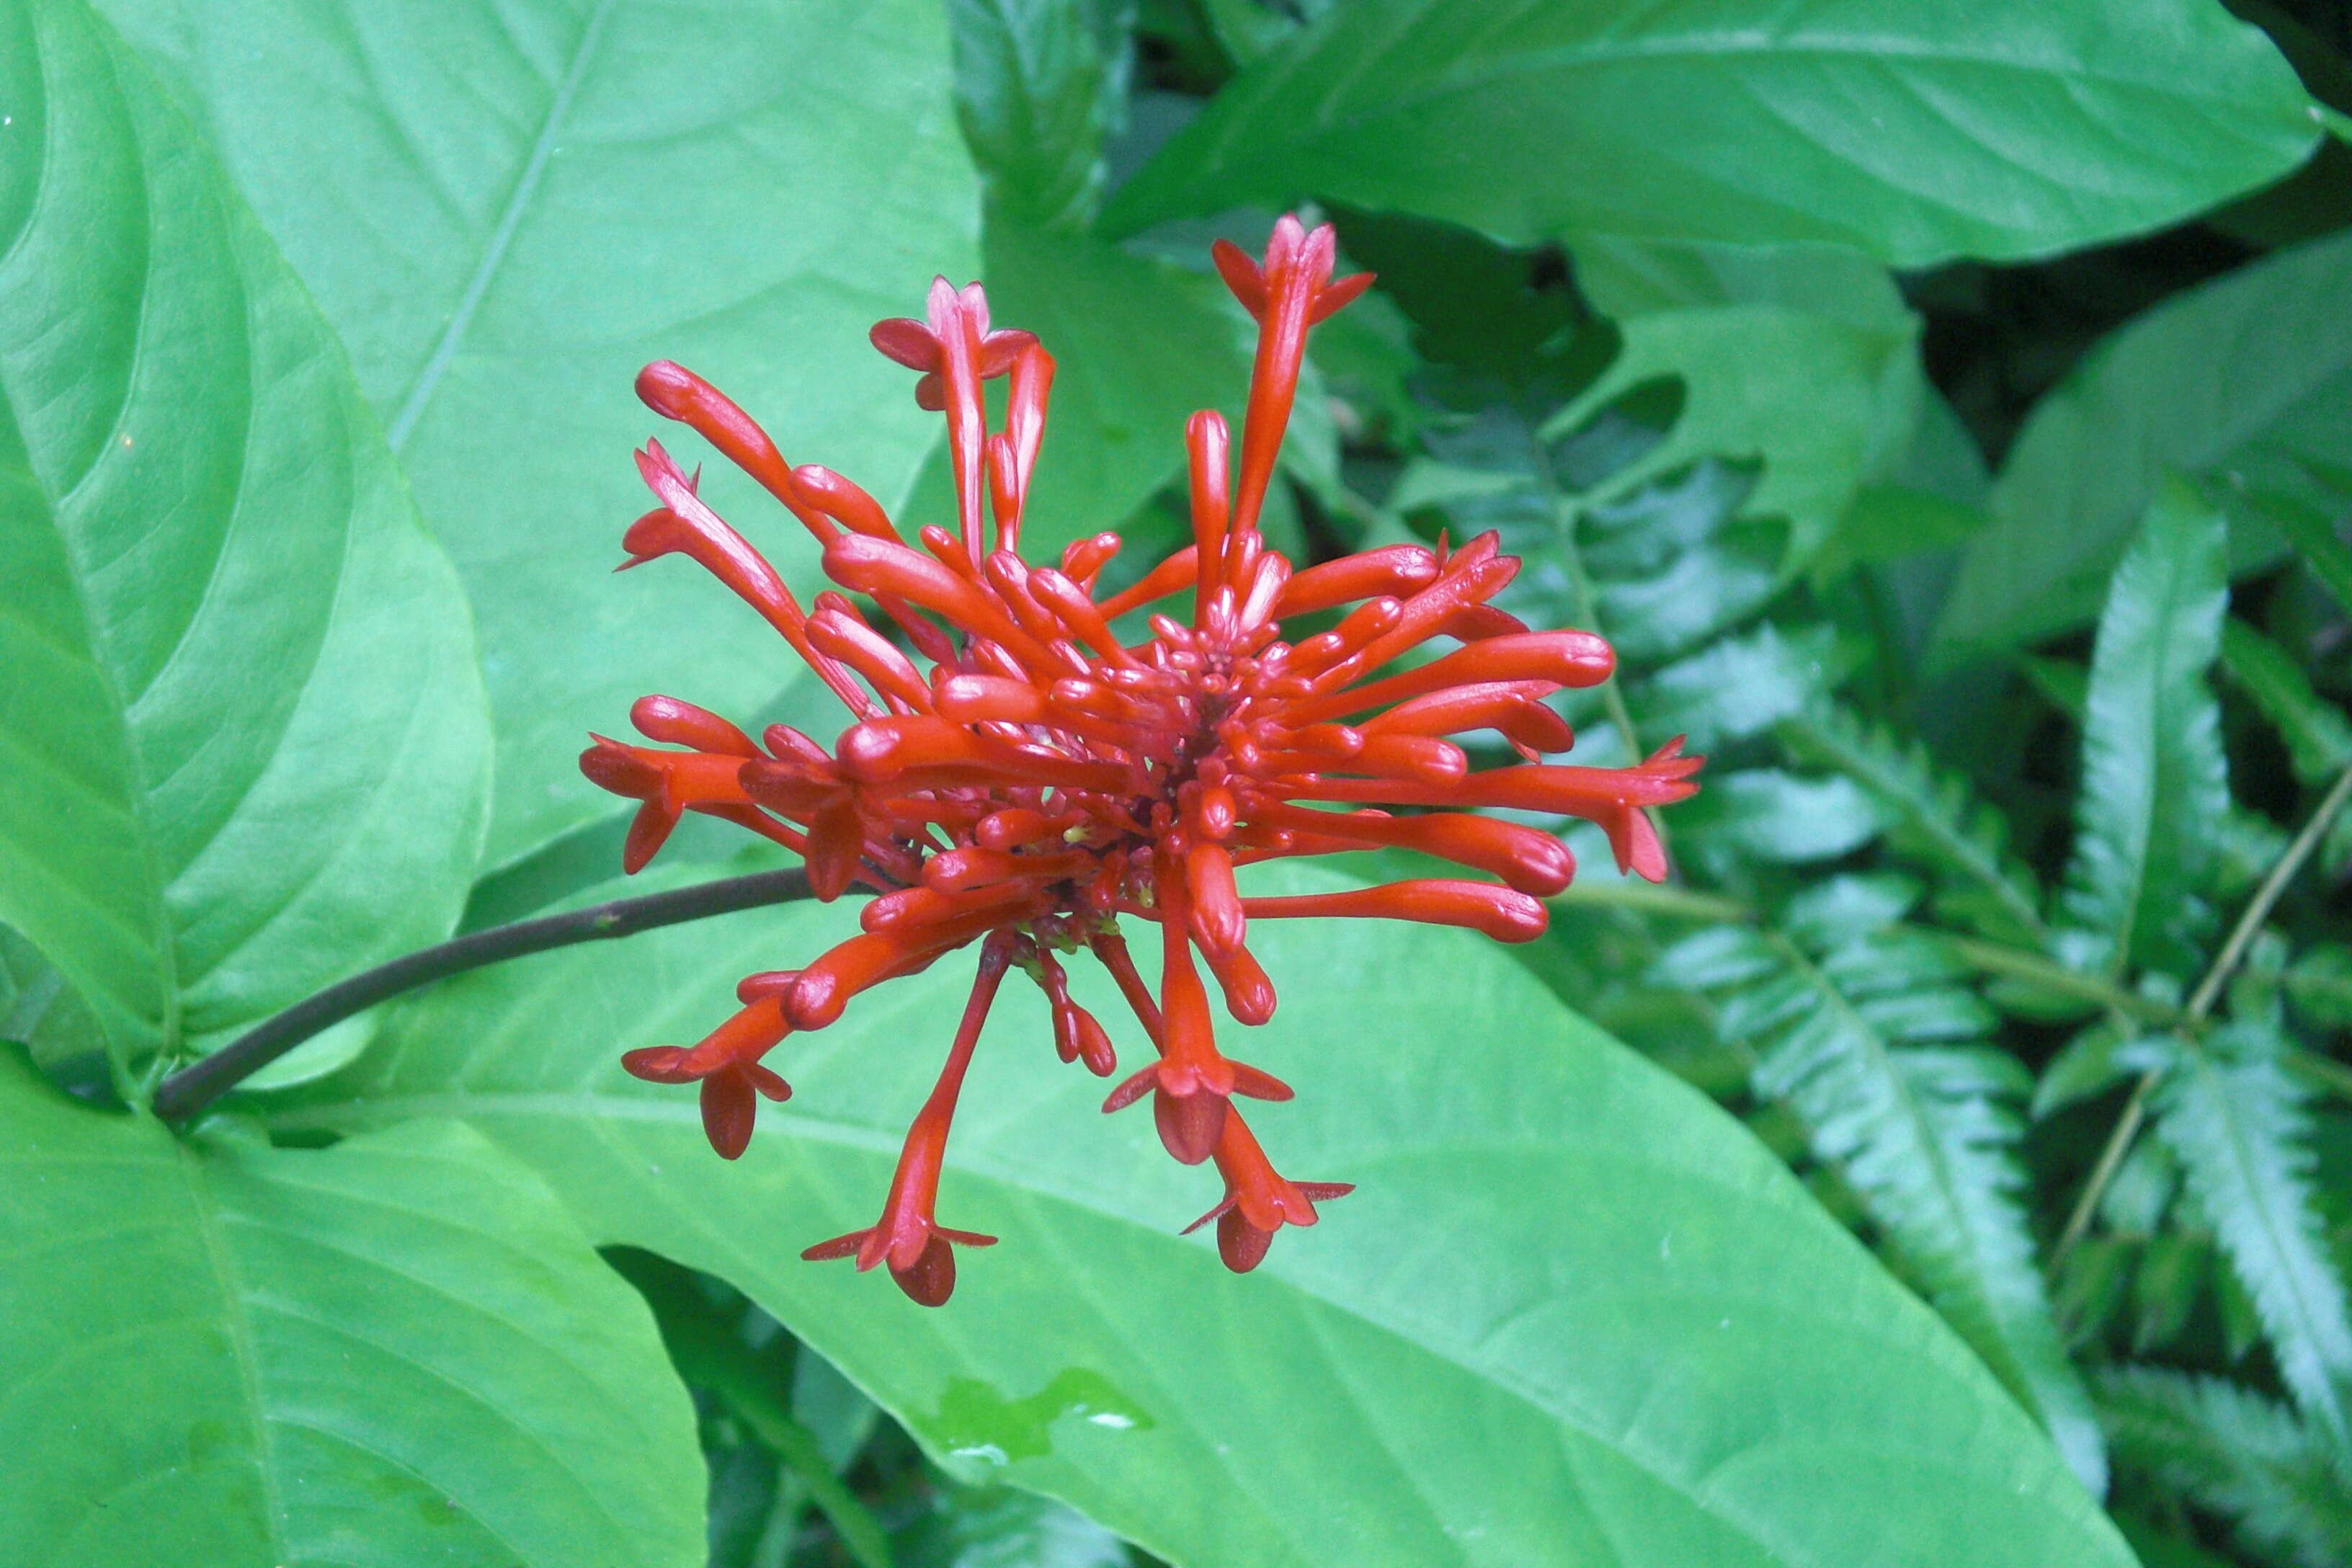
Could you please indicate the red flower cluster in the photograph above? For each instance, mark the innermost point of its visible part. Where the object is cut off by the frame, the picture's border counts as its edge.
(1044, 776)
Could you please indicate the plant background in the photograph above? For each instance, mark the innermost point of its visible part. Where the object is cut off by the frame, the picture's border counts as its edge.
(1946, 409)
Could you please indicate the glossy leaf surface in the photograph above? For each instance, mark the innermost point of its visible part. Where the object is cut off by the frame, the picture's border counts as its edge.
(1914, 132)
(507, 208)
(242, 739)
(1570, 1305)
(191, 1325)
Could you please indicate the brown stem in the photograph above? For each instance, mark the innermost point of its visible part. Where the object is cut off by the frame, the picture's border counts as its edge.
(196, 1086)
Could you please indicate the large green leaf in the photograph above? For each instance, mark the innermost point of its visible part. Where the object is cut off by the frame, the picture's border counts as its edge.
(1916, 133)
(507, 208)
(2246, 382)
(398, 1351)
(1571, 1310)
(2155, 780)
(242, 739)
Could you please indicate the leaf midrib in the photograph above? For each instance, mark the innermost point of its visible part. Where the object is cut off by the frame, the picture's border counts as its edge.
(403, 423)
(1704, 45)
(601, 1109)
(239, 1321)
(161, 940)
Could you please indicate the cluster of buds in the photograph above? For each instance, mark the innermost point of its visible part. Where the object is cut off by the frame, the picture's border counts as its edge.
(1044, 777)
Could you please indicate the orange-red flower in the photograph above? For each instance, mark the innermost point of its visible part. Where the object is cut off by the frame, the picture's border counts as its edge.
(1018, 773)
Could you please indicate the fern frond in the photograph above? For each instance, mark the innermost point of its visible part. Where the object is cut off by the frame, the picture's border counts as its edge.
(2234, 1117)
(1870, 1035)
(2234, 1454)
(1935, 820)
(1741, 686)
(2154, 778)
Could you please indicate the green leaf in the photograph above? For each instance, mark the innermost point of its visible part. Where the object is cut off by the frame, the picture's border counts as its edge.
(506, 209)
(243, 751)
(1040, 84)
(2171, 1277)
(1916, 134)
(41, 1013)
(2236, 1119)
(2323, 549)
(2235, 1453)
(395, 1350)
(1658, 572)
(1932, 818)
(1819, 403)
(1248, 28)
(2154, 778)
(2085, 1067)
(1570, 1304)
(1867, 1035)
(1891, 522)
(2159, 1547)
(2245, 381)
(2318, 737)
(2319, 983)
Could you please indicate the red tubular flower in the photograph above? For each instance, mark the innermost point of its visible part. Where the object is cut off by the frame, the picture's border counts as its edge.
(1044, 776)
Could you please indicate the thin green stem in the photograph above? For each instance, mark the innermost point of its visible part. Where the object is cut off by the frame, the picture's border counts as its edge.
(2199, 1005)
(2111, 1159)
(2266, 897)
(189, 1090)
(1665, 899)
(2024, 964)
